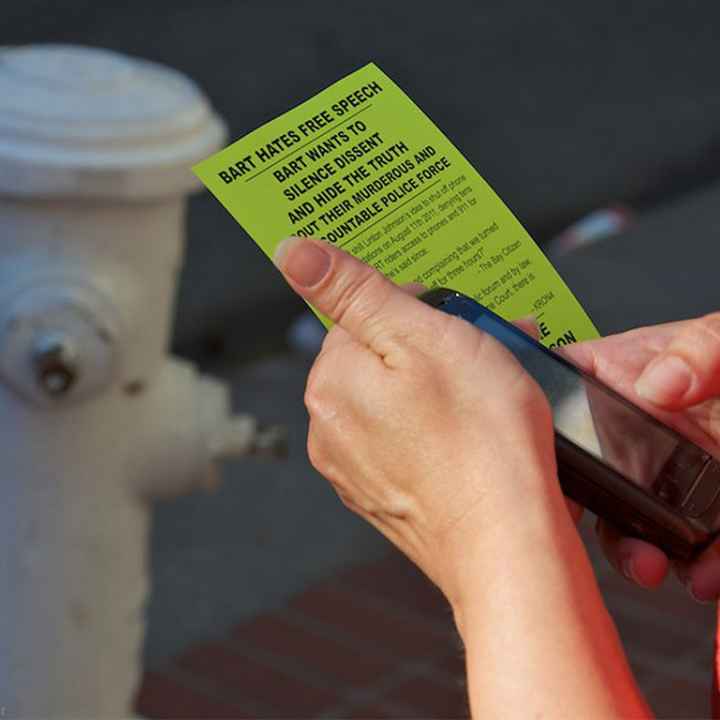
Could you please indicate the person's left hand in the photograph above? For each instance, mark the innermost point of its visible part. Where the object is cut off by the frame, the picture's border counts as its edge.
(684, 393)
(426, 427)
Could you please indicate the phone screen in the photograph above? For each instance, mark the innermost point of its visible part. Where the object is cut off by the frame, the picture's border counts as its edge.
(600, 422)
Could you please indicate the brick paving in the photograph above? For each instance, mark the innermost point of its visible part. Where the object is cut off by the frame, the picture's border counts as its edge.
(377, 641)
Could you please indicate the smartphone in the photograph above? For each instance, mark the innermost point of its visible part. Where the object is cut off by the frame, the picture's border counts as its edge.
(614, 458)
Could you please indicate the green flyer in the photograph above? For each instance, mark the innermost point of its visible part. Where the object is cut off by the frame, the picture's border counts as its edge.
(361, 166)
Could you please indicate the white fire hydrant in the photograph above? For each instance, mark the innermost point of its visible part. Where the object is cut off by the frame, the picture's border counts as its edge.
(96, 419)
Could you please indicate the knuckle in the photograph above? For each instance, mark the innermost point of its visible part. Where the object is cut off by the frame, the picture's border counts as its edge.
(345, 499)
(709, 325)
(333, 337)
(314, 388)
(316, 405)
(311, 398)
(698, 342)
(453, 331)
(314, 453)
(361, 295)
(320, 459)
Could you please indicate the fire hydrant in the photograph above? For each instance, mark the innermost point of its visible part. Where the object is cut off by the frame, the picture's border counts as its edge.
(96, 419)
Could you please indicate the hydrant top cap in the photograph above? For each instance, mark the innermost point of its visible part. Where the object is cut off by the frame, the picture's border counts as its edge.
(68, 111)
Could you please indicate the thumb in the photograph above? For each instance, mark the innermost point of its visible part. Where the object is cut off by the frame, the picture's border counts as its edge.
(373, 310)
(687, 371)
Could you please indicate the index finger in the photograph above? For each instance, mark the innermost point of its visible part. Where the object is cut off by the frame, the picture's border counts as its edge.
(371, 308)
(687, 372)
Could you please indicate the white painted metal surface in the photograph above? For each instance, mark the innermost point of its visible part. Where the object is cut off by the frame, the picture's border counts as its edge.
(96, 419)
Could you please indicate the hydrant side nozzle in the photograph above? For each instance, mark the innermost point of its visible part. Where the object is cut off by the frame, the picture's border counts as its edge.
(234, 437)
(272, 441)
(60, 343)
(183, 454)
(184, 417)
(55, 362)
(243, 435)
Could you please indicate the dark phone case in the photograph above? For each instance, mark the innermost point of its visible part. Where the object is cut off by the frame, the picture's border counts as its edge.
(610, 495)
(629, 508)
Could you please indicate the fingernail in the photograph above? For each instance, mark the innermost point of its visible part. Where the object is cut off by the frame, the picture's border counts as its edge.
(664, 381)
(704, 587)
(305, 262)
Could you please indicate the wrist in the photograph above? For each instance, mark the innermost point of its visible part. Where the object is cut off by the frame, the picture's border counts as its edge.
(495, 548)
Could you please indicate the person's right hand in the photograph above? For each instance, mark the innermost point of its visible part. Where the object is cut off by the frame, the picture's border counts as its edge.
(673, 372)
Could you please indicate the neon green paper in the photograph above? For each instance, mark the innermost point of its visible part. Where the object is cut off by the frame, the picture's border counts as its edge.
(361, 166)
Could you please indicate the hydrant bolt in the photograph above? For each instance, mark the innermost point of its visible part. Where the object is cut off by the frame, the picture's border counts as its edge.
(55, 366)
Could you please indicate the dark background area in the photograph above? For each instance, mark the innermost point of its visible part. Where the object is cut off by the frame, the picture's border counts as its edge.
(562, 107)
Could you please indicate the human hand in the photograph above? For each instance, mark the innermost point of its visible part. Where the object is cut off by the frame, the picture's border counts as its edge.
(425, 426)
(673, 372)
